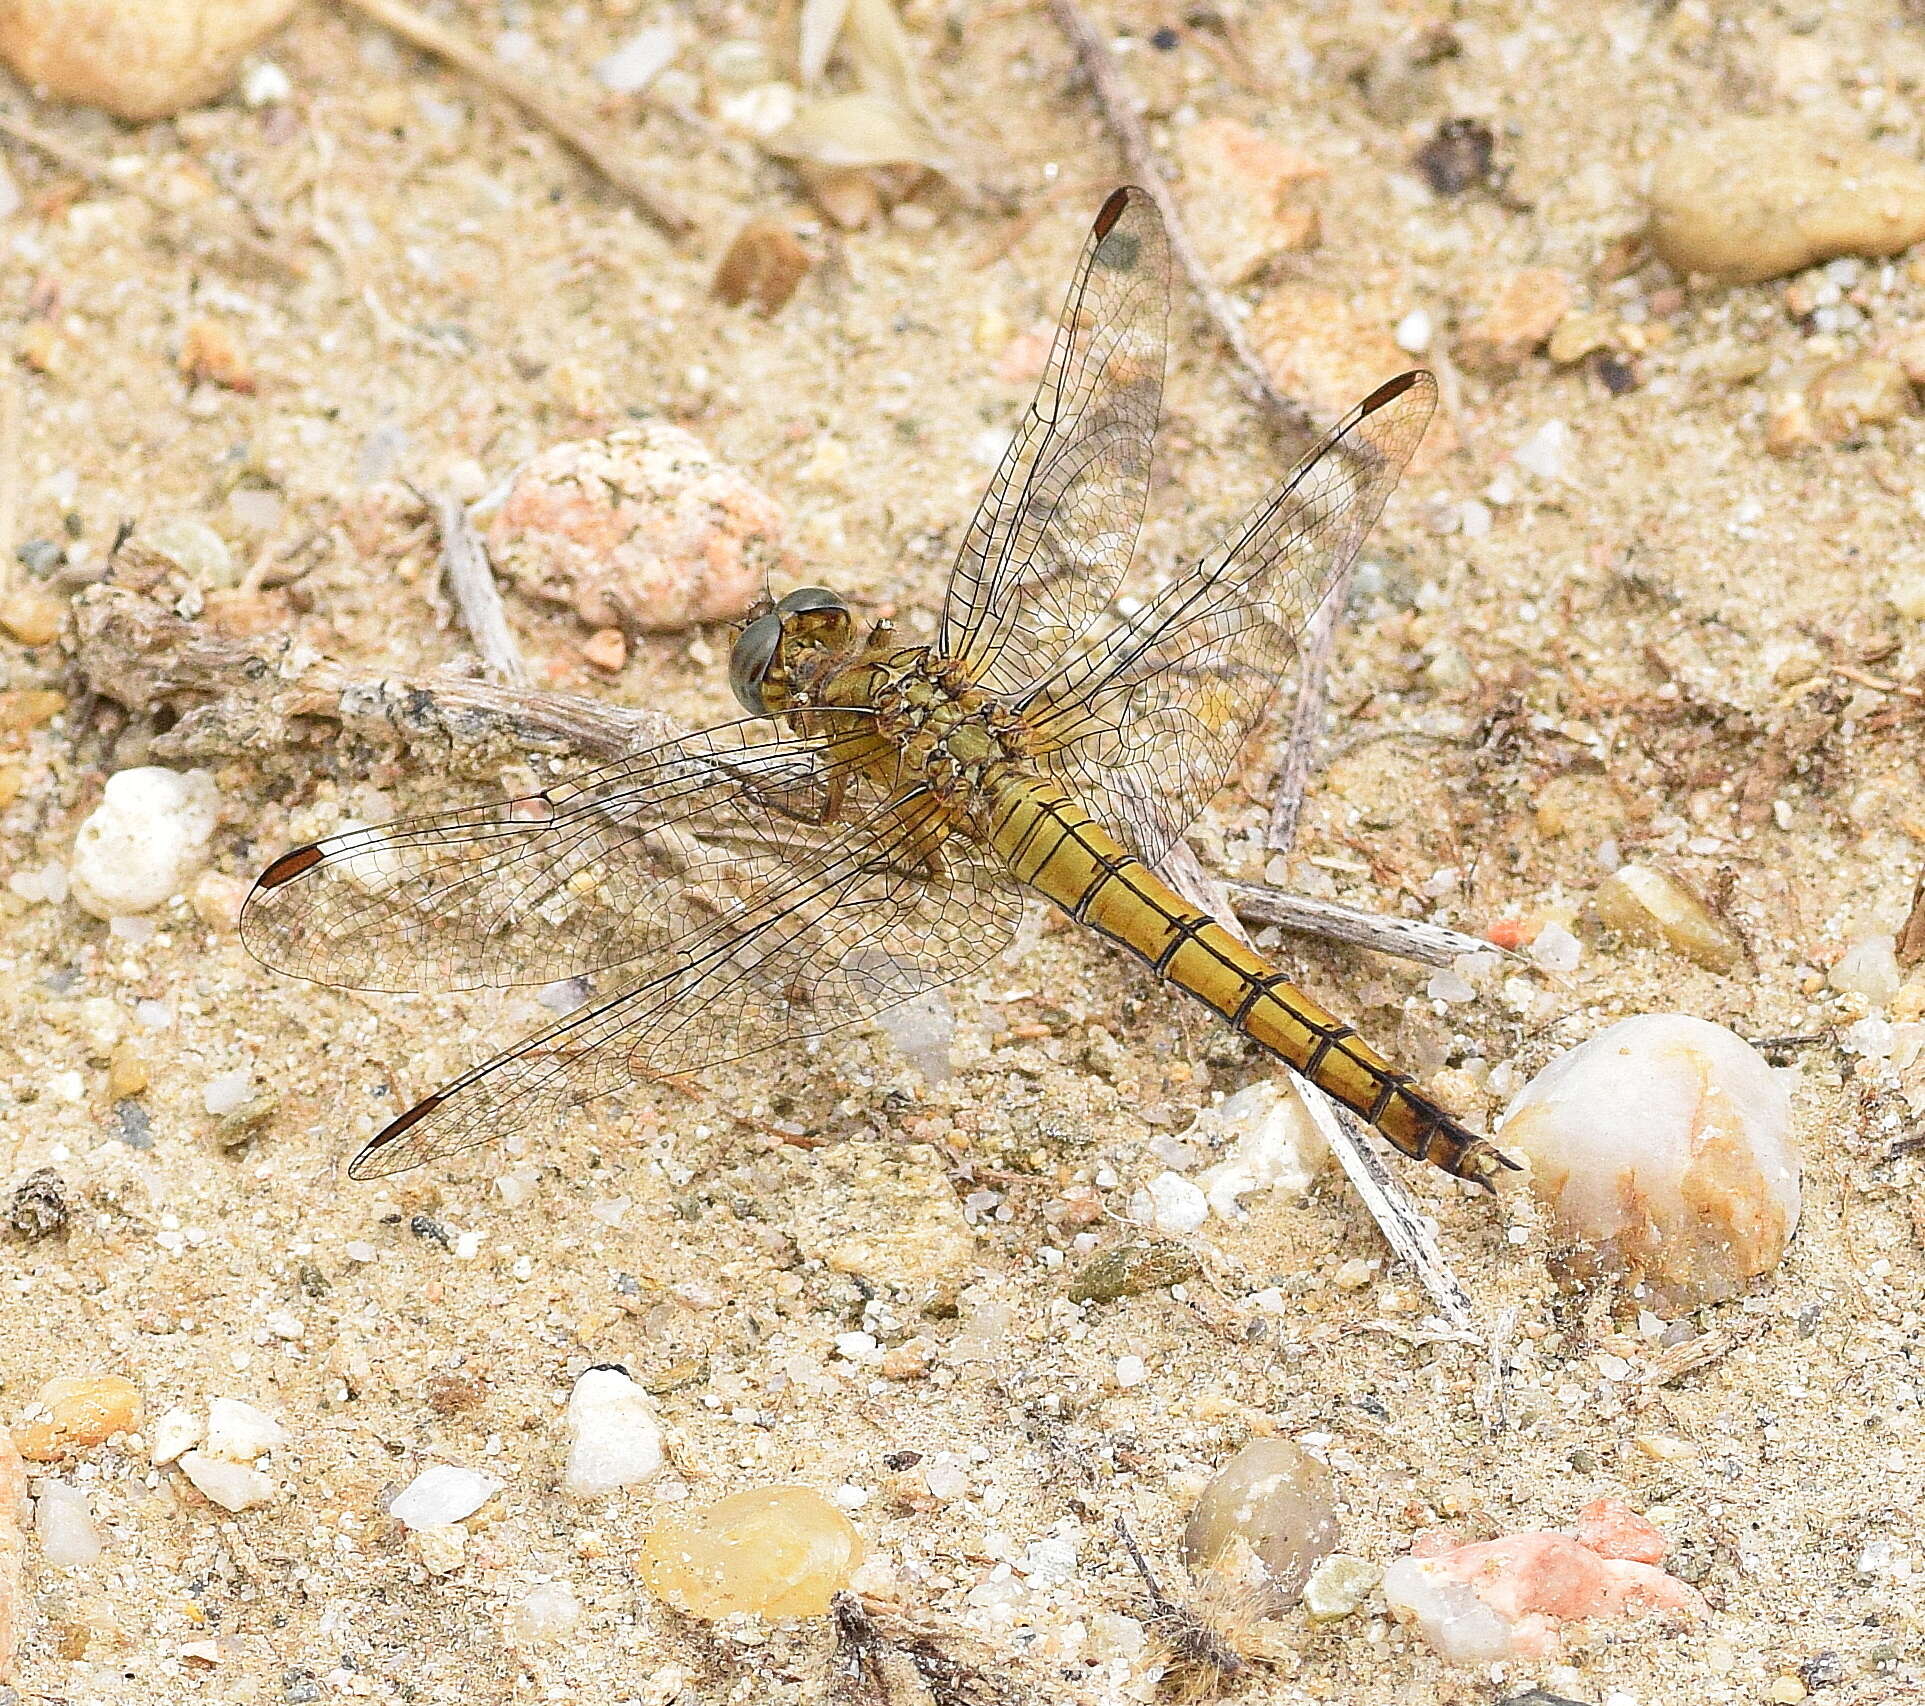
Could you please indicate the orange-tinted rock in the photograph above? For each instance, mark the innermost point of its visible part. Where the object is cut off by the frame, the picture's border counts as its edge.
(770, 1552)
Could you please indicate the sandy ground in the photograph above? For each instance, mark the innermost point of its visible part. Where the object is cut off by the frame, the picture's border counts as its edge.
(1634, 637)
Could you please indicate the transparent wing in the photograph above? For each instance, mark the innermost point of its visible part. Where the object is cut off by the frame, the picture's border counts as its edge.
(594, 873)
(1145, 725)
(878, 912)
(1053, 535)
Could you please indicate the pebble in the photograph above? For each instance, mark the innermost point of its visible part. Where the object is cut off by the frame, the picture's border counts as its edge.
(607, 650)
(1908, 597)
(1131, 1268)
(1414, 331)
(1646, 906)
(1661, 1148)
(137, 59)
(13, 1552)
(211, 351)
(615, 1438)
(1272, 1144)
(1170, 1204)
(639, 60)
(1755, 198)
(68, 1538)
(227, 1092)
(1578, 334)
(1849, 396)
(1272, 1500)
(74, 1411)
(1241, 181)
(547, 1612)
(764, 265)
(1513, 1597)
(923, 1028)
(232, 1486)
(239, 1432)
(147, 836)
(1869, 967)
(32, 617)
(440, 1549)
(643, 529)
(885, 1213)
(177, 1430)
(1543, 453)
(769, 1552)
(1324, 347)
(441, 1495)
(1338, 1586)
(1524, 310)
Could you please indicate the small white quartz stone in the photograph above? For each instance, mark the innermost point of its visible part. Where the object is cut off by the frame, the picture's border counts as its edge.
(441, 1495)
(1662, 1147)
(147, 836)
(614, 1439)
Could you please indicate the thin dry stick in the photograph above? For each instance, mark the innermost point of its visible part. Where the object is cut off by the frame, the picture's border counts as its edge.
(1407, 1232)
(588, 142)
(1408, 938)
(471, 578)
(1119, 112)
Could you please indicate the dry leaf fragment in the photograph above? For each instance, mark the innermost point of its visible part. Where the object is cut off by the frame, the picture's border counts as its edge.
(763, 265)
(859, 130)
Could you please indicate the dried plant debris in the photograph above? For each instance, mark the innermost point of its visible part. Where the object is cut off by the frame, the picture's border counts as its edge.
(874, 1665)
(858, 148)
(1212, 1640)
(39, 1206)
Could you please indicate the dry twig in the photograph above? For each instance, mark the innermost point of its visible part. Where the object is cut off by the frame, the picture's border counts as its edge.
(1119, 111)
(1408, 938)
(1407, 1232)
(471, 578)
(588, 142)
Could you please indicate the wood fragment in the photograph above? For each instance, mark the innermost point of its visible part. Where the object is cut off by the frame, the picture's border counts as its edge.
(1408, 938)
(1126, 125)
(1687, 1358)
(471, 579)
(1405, 1229)
(1911, 934)
(588, 142)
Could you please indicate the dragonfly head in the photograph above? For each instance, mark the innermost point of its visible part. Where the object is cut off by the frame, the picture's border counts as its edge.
(781, 654)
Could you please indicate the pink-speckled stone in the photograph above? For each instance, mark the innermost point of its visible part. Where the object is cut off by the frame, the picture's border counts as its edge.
(645, 528)
(1513, 1597)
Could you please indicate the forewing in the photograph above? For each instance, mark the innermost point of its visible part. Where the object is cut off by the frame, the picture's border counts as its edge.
(606, 869)
(875, 915)
(1055, 530)
(1145, 726)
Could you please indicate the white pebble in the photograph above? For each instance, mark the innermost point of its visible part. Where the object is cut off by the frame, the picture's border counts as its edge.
(517, 1189)
(147, 836)
(232, 1486)
(924, 1029)
(1869, 967)
(1662, 1145)
(265, 84)
(545, 1613)
(1131, 1371)
(1273, 1145)
(1543, 452)
(178, 1430)
(1175, 1205)
(947, 1476)
(1556, 949)
(1447, 983)
(1413, 332)
(47, 883)
(229, 1091)
(240, 1433)
(1873, 1038)
(638, 61)
(1474, 519)
(1459, 1627)
(441, 1495)
(615, 1439)
(858, 1347)
(68, 1537)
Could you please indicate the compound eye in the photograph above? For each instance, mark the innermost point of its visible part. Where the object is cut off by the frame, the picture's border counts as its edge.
(749, 662)
(807, 598)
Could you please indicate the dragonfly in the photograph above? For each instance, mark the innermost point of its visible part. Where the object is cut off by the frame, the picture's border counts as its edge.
(871, 830)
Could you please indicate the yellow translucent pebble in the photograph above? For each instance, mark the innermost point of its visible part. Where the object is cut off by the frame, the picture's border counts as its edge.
(772, 1551)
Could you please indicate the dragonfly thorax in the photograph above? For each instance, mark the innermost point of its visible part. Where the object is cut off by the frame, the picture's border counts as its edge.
(949, 734)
